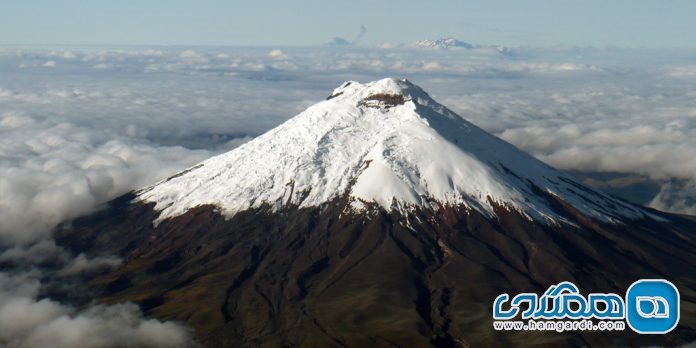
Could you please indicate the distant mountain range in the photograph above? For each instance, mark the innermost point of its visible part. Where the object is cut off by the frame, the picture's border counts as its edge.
(442, 44)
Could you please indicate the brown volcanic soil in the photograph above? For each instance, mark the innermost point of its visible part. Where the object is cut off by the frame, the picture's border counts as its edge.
(317, 277)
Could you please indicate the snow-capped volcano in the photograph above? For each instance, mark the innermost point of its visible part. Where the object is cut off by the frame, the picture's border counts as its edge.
(388, 143)
(376, 218)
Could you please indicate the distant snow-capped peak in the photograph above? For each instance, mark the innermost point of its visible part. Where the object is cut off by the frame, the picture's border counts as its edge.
(451, 43)
(442, 43)
(387, 143)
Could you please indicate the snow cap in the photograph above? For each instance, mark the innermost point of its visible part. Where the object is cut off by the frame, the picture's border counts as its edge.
(386, 143)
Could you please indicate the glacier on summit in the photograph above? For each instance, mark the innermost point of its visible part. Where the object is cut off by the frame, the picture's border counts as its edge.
(388, 143)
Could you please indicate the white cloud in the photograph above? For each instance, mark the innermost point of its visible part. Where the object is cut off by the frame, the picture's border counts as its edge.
(52, 175)
(69, 55)
(43, 252)
(390, 45)
(682, 71)
(30, 322)
(102, 66)
(82, 265)
(677, 196)
(276, 53)
(105, 326)
(189, 54)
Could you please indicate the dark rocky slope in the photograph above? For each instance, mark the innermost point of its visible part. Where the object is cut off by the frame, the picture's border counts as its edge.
(321, 277)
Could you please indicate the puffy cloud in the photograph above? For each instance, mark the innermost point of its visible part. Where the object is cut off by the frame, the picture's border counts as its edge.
(81, 265)
(390, 45)
(682, 71)
(44, 252)
(52, 175)
(192, 55)
(276, 53)
(69, 55)
(104, 326)
(189, 54)
(626, 130)
(27, 321)
(679, 196)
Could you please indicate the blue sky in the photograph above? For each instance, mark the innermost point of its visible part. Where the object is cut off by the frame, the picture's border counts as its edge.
(627, 23)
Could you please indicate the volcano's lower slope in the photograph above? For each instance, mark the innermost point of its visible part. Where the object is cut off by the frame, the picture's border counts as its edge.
(320, 277)
(378, 217)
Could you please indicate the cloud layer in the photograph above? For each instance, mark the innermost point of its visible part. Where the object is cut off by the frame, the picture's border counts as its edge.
(29, 322)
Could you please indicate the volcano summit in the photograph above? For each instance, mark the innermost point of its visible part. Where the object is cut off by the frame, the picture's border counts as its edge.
(385, 142)
(377, 217)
